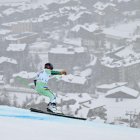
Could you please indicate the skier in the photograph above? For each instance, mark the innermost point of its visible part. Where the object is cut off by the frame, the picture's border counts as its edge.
(42, 87)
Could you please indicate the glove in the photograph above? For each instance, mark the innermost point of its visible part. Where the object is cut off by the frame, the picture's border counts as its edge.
(63, 72)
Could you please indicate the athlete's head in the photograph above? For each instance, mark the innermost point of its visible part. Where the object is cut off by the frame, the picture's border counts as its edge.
(48, 66)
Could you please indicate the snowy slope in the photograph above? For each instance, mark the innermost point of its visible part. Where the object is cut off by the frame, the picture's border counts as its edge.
(19, 124)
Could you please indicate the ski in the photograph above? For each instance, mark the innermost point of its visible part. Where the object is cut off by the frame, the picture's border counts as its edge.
(55, 114)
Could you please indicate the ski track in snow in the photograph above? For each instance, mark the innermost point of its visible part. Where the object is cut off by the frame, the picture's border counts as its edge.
(12, 112)
(38, 126)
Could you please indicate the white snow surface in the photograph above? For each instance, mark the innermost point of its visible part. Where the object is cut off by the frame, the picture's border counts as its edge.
(6, 59)
(16, 47)
(123, 30)
(111, 86)
(124, 89)
(88, 27)
(22, 124)
(25, 74)
(70, 50)
(101, 6)
(74, 79)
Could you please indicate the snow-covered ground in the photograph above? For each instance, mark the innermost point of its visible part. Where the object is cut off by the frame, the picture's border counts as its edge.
(19, 124)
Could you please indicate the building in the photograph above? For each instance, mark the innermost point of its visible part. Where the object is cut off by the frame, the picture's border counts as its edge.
(103, 11)
(119, 35)
(123, 92)
(8, 66)
(17, 50)
(68, 57)
(121, 66)
(69, 84)
(91, 36)
(136, 43)
(19, 27)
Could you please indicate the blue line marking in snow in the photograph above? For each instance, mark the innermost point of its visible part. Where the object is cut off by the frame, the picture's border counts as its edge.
(12, 112)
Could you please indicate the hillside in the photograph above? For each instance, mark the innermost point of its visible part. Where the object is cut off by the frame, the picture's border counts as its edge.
(22, 124)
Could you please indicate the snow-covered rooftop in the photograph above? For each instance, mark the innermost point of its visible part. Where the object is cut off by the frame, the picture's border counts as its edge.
(111, 86)
(74, 79)
(73, 41)
(122, 30)
(124, 89)
(19, 36)
(4, 31)
(25, 74)
(67, 9)
(16, 47)
(10, 11)
(11, 1)
(39, 46)
(88, 27)
(47, 16)
(101, 13)
(69, 50)
(74, 17)
(101, 6)
(126, 52)
(127, 55)
(86, 72)
(123, 0)
(6, 59)
(93, 61)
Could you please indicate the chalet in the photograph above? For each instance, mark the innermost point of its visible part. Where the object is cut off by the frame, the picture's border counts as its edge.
(123, 92)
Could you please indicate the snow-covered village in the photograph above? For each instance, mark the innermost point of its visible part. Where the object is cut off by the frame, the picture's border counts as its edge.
(96, 41)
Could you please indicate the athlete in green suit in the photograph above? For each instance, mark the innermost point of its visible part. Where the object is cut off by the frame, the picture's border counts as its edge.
(41, 83)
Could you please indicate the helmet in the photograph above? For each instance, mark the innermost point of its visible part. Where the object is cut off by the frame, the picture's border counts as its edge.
(48, 66)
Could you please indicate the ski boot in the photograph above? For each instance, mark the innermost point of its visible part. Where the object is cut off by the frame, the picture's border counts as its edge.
(52, 107)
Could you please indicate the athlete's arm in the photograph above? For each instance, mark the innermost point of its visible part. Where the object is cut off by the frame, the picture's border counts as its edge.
(55, 72)
(58, 72)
